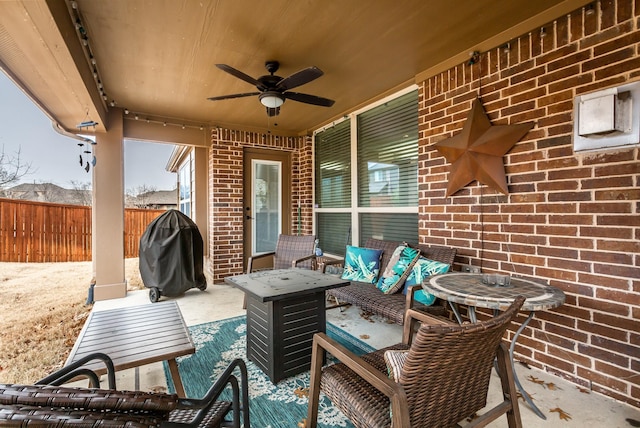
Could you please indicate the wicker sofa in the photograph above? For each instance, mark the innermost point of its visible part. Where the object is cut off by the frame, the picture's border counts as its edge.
(392, 306)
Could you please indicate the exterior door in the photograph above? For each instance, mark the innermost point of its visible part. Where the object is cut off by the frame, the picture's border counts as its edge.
(267, 196)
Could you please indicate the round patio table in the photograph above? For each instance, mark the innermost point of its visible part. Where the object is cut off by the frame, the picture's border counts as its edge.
(469, 289)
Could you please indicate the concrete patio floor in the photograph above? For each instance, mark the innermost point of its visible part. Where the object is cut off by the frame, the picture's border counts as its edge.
(221, 301)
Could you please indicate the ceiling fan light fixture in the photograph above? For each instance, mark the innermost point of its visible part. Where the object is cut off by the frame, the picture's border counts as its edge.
(271, 99)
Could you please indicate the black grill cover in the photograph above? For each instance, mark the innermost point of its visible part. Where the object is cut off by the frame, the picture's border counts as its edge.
(171, 255)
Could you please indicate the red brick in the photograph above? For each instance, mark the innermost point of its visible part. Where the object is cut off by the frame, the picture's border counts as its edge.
(619, 296)
(601, 379)
(555, 362)
(603, 36)
(608, 182)
(608, 14)
(580, 80)
(569, 240)
(618, 68)
(601, 84)
(625, 9)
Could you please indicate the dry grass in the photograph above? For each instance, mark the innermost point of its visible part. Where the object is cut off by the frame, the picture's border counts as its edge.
(43, 310)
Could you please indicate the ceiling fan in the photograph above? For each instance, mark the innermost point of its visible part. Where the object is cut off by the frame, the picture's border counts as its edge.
(274, 90)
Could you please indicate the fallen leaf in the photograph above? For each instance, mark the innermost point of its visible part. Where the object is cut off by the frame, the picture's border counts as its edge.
(302, 423)
(552, 386)
(301, 392)
(364, 336)
(367, 316)
(561, 413)
(583, 390)
(534, 379)
(521, 397)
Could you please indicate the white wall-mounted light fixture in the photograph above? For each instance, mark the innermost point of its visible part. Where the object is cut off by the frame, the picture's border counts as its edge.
(607, 118)
(271, 99)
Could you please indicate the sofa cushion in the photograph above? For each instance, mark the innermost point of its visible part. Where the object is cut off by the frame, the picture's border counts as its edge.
(397, 269)
(395, 361)
(387, 248)
(361, 264)
(422, 269)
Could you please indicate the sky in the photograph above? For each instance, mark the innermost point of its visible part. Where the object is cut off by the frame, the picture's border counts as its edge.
(54, 158)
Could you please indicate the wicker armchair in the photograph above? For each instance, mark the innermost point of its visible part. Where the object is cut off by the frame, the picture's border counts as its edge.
(291, 251)
(48, 404)
(444, 378)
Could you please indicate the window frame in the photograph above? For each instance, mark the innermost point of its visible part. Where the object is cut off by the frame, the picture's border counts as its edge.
(355, 210)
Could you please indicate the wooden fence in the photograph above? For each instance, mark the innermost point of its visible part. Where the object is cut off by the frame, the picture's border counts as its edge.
(45, 232)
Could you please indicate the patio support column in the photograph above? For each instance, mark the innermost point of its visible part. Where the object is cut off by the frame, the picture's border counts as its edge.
(108, 211)
(200, 194)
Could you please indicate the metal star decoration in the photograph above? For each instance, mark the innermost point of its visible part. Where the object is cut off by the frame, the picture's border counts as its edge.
(477, 152)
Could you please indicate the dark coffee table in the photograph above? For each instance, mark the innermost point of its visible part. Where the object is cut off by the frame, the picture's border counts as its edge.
(285, 308)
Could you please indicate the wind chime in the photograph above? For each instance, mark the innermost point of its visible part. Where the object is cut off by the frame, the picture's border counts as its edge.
(87, 156)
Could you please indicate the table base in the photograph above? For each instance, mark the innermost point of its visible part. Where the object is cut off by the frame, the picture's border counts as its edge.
(280, 333)
(474, 319)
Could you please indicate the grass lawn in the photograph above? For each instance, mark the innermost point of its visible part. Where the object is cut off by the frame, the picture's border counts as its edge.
(43, 307)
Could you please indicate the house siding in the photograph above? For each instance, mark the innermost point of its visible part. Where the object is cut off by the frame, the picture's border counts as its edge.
(570, 219)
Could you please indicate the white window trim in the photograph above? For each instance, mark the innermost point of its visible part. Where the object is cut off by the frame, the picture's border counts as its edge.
(355, 210)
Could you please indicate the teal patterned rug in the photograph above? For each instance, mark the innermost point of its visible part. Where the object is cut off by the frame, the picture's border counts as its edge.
(271, 406)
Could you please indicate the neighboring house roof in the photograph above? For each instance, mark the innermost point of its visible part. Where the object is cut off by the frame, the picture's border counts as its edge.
(48, 192)
(155, 199)
(160, 197)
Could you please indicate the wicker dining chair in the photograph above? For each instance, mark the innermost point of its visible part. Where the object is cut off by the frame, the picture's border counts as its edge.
(47, 403)
(444, 377)
(291, 251)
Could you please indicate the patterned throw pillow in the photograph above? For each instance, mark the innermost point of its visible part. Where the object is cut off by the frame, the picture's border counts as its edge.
(421, 270)
(362, 264)
(397, 269)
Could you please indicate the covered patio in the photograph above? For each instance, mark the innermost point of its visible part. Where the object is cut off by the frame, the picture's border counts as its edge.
(143, 70)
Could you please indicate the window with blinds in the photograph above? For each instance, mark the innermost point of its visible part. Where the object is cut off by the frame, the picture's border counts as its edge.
(388, 154)
(334, 232)
(390, 226)
(385, 160)
(333, 167)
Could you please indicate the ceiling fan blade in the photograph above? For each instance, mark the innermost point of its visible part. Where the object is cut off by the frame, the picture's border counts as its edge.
(299, 78)
(228, 97)
(309, 99)
(240, 75)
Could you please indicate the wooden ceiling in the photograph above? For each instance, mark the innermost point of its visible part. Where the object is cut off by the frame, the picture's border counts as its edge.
(156, 58)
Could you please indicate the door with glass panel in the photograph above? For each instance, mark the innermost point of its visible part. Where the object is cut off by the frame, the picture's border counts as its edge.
(267, 196)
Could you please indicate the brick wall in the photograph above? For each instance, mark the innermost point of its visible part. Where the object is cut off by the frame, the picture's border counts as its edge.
(226, 206)
(571, 219)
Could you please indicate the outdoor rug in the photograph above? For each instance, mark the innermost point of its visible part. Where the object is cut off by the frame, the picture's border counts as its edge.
(271, 406)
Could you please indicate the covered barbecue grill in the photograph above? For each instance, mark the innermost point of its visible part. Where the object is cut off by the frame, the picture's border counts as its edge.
(171, 256)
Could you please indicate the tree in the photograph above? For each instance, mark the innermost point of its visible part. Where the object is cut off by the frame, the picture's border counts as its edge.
(49, 192)
(12, 168)
(82, 192)
(138, 197)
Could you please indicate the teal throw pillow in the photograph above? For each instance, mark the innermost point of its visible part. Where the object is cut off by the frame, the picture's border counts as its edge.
(362, 264)
(422, 269)
(397, 269)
